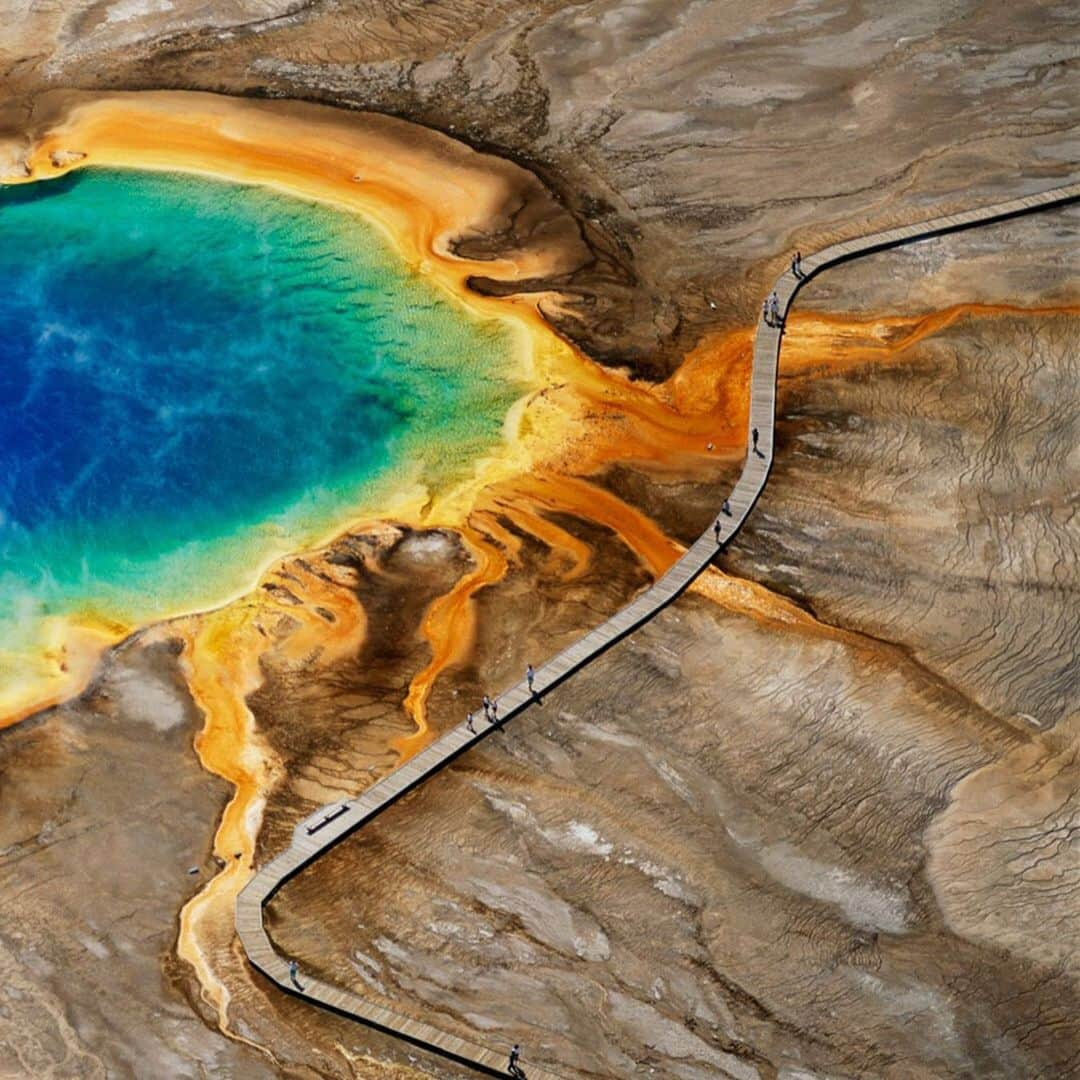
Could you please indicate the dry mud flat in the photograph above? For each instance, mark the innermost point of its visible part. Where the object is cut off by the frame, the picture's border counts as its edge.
(104, 809)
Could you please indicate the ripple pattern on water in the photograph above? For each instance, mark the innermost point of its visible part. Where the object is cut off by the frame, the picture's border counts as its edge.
(194, 375)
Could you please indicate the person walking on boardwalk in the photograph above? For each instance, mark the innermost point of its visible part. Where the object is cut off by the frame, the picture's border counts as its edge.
(716, 529)
(468, 723)
(487, 708)
(765, 312)
(294, 974)
(493, 716)
(530, 677)
(774, 310)
(796, 265)
(754, 436)
(514, 1068)
(726, 508)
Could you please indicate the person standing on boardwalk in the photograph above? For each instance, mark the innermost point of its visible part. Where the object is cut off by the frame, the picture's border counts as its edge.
(514, 1068)
(716, 529)
(726, 508)
(493, 716)
(765, 312)
(754, 436)
(530, 676)
(796, 265)
(294, 974)
(468, 723)
(487, 708)
(774, 310)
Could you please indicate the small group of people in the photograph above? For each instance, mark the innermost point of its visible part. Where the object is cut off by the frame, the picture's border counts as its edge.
(491, 714)
(770, 307)
(491, 708)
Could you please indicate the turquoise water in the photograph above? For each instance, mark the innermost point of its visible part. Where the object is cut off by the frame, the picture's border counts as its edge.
(196, 375)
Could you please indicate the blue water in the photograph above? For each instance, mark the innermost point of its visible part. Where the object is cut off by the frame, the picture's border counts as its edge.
(195, 373)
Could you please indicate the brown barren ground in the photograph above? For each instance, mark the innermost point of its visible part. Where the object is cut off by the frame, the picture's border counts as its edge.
(818, 820)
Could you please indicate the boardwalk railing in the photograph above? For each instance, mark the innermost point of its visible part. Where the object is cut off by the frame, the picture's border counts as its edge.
(330, 824)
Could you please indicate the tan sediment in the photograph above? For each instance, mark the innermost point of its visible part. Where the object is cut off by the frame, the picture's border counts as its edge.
(823, 343)
(64, 668)
(449, 627)
(574, 554)
(426, 191)
(223, 657)
(489, 524)
(657, 551)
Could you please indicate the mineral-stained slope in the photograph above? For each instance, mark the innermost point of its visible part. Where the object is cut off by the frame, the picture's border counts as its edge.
(819, 819)
(745, 845)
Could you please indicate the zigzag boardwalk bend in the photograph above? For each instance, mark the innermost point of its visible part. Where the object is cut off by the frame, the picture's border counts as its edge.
(331, 824)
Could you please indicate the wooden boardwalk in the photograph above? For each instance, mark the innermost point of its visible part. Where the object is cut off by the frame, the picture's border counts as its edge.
(329, 825)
